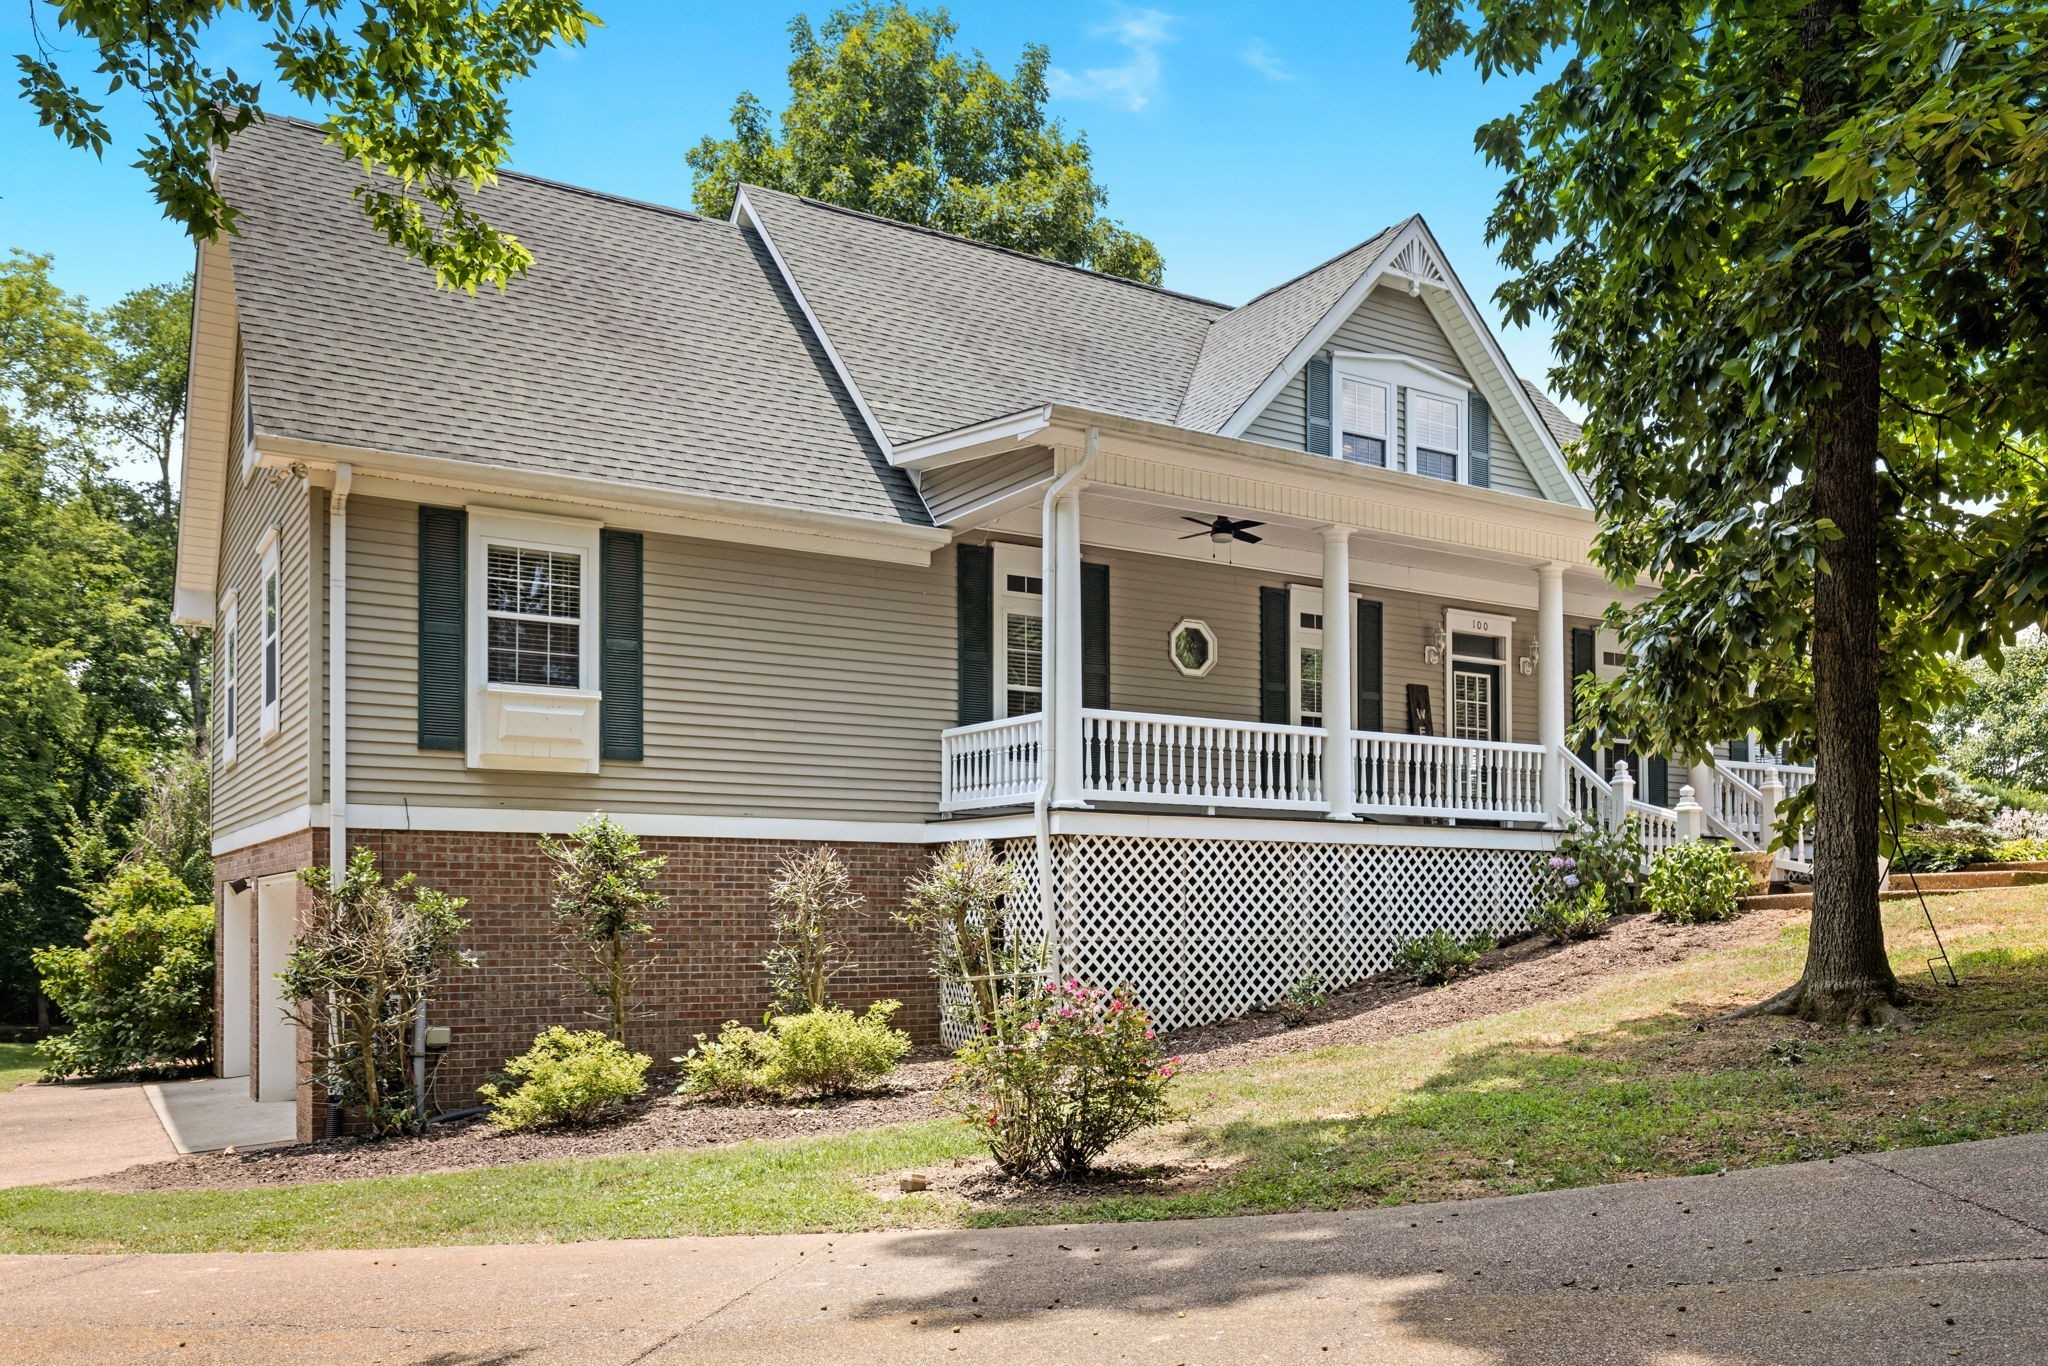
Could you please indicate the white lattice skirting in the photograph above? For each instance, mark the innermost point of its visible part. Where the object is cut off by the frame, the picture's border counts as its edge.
(1209, 929)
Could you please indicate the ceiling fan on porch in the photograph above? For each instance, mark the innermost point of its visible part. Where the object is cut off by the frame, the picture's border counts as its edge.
(1222, 530)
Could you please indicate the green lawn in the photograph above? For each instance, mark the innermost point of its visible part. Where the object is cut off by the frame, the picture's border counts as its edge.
(17, 1065)
(1613, 1084)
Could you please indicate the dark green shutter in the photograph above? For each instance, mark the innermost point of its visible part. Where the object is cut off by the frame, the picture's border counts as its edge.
(1738, 751)
(1274, 703)
(975, 571)
(1656, 783)
(1095, 636)
(1479, 463)
(1582, 664)
(1315, 378)
(1371, 698)
(444, 535)
(621, 646)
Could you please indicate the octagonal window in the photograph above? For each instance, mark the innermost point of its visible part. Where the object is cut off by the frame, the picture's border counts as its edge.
(1193, 647)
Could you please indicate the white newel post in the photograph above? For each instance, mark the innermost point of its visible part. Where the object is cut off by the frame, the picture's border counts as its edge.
(1773, 792)
(1553, 668)
(1701, 776)
(1623, 789)
(1063, 633)
(1340, 692)
(1691, 816)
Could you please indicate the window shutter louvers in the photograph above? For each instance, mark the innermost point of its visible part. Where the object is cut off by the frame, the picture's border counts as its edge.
(1738, 751)
(974, 581)
(1095, 635)
(1316, 381)
(1274, 663)
(1371, 691)
(443, 559)
(1479, 461)
(621, 644)
(1582, 665)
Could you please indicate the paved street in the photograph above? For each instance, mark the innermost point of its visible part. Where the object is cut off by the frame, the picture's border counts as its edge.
(1935, 1255)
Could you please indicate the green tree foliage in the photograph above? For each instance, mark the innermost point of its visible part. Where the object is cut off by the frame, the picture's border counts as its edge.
(604, 893)
(1998, 730)
(95, 691)
(139, 991)
(886, 117)
(417, 94)
(1794, 256)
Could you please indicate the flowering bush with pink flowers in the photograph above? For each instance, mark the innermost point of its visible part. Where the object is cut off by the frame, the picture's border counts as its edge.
(1061, 1073)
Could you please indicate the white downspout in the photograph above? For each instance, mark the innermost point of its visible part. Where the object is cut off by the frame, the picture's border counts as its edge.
(337, 673)
(1041, 807)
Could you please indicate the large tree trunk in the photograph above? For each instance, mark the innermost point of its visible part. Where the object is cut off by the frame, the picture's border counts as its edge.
(1848, 977)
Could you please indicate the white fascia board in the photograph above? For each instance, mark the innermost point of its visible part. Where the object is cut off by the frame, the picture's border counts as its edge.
(972, 441)
(290, 822)
(1326, 327)
(1546, 443)
(1393, 360)
(202, 456)
(666, 511)
(742, 207)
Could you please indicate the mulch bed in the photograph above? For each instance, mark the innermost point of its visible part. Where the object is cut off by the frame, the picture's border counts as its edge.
(1521, 974)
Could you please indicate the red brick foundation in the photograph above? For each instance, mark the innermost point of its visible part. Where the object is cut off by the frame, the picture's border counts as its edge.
(702, 968)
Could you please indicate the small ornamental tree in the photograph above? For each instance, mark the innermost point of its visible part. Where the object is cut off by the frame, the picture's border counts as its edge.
(960, 911)
(811, 895)
(369, 955)
(604, 893)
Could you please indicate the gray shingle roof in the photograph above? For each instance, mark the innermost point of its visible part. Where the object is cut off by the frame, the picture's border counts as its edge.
(647, 346)
(1563, 430)
(940, 332)
(1247, 344)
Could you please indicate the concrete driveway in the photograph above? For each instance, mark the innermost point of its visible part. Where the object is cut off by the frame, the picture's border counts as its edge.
(52, 1133)
(1935, 1255)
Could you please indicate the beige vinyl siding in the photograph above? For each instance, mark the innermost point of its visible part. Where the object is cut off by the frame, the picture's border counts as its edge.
(270, 776)
(777, 684)
(956, 489)
(1391, 321)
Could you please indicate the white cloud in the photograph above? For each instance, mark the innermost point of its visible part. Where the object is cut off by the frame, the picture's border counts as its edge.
(1260, 57)
(1141, 32)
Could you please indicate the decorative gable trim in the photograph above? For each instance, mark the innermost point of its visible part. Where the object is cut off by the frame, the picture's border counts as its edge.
(1422, 265)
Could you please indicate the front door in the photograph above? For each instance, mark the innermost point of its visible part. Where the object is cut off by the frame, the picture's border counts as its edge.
(1475, 701)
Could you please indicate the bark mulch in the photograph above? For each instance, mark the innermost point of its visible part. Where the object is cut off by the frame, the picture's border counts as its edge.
(1520, 974)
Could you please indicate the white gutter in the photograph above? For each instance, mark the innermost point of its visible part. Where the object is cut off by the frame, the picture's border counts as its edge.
(337, 672)
(1041, 806)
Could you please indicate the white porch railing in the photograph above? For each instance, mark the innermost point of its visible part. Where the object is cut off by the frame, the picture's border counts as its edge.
(1735, 809)
(1795, 777)
(1418, 775)
(996, 763)
(1586, 794)
(1658, 824)
(1185, 761)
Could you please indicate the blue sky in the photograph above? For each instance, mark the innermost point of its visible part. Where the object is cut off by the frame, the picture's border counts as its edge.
(1249, 141)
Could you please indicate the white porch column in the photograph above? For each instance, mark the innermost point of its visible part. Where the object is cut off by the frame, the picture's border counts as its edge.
(1063, 641)
(1553, 672)
(1340, 692)
(1700, 777)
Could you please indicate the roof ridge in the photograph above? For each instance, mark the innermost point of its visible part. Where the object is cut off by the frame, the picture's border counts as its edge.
(504, 173)
(1354, 247)
(986, 246)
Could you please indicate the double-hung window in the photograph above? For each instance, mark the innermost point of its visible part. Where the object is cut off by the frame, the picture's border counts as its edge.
(272, 608)
(534, 600)
(226, 689)
(1020, 631)
(1367, 413)
(1436, 428)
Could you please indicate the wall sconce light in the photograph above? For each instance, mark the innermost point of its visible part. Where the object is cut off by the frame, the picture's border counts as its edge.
(1526, 665)
(1433, 653)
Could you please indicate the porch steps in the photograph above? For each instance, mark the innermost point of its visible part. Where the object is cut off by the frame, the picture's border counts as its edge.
(1972, 879)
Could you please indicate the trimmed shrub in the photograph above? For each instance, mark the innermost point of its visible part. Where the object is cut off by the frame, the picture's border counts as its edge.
(830, 1052)
(1302, 1001)
(1063, 1072)
(1696, 882)
(1574, 917)
(1436, 957)
(833, 1052)
(569, 1076)
(139, 991)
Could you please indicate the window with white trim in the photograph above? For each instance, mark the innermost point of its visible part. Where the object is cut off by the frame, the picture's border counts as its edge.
(1020, 631)
(272, 607)
(1305, 636)
(1436, 434)
(533, 599)
(226, 690)
(1366, 411)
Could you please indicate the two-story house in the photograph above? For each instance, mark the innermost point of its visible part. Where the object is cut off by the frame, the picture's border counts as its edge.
(1247, 633)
